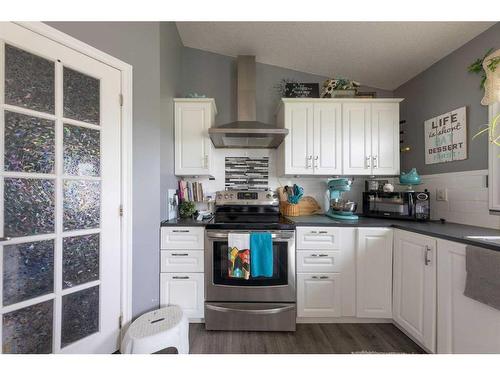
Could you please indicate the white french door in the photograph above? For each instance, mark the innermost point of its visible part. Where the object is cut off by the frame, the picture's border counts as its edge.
(59, 198)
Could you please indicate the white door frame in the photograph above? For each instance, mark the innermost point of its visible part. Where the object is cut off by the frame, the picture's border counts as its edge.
(126, 150)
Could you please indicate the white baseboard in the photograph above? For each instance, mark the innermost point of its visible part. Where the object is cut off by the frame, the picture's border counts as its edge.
(343, 319)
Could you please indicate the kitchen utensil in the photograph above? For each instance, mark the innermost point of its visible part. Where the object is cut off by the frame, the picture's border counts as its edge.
(340, 208)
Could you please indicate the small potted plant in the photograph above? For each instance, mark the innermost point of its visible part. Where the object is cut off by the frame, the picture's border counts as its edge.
(187, 209)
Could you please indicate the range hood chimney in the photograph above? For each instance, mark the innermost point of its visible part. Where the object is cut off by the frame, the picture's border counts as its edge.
(247, 132)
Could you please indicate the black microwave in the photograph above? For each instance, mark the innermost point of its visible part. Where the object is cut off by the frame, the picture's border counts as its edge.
(408, 205)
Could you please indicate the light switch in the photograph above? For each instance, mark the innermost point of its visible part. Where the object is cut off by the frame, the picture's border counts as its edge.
(442, 194)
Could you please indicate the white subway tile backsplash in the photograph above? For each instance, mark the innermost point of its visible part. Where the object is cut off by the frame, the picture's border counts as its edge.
(467, 192)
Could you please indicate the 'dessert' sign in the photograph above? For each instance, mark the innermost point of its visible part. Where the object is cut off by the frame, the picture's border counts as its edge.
(446, 137)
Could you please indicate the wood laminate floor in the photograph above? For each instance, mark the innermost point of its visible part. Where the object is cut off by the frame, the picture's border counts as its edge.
(308, 339)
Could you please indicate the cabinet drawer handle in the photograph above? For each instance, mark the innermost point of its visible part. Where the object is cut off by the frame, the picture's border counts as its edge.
(323, 232)
(180, 277)
(427, 258)
(313, 232)
(181, 231)
(319, 277)
(180, 255)
(323, 255)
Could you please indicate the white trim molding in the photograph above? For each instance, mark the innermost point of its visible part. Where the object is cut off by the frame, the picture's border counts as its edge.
(126, 150)
(494, 162)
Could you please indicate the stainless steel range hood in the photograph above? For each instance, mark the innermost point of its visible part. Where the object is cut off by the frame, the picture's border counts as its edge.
(247, 132)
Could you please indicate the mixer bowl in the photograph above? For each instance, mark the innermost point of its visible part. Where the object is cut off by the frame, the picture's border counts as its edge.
(343, 206)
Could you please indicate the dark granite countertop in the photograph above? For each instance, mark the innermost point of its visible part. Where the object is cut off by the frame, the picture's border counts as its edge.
(184, 223)
(448, 231)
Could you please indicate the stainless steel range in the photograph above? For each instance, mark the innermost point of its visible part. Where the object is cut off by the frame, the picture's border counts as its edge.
(259, 303)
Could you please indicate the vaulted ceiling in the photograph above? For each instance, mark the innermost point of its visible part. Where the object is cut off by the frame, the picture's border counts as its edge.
(378, 54)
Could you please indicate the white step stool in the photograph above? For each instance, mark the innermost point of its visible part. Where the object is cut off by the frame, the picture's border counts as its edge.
(157, 330)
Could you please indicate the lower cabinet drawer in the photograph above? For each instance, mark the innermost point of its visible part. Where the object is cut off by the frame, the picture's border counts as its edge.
(318, 261)
(318, 295)
(182, 261)
(185, 290)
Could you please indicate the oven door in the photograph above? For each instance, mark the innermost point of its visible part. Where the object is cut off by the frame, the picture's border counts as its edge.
(220, 287)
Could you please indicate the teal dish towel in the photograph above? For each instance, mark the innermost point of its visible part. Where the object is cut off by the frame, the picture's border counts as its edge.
(261, 253)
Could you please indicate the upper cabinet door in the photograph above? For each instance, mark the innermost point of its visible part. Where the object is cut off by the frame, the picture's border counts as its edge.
(327, 158)
(356, 139)
(193, 148)
(299, 142)
(385, 138)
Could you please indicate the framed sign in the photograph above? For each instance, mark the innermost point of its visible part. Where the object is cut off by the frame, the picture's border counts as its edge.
(446, 137)
(302, 90)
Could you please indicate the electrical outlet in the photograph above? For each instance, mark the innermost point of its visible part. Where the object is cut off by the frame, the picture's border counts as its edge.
(442, 194)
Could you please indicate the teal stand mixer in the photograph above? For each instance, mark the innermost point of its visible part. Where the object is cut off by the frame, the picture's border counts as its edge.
(340, 209)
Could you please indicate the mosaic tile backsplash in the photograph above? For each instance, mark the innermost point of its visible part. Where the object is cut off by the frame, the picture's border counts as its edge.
(29, 144)
(28, 206)
(28, 271)
(82, 151)
(80, 260)
(245, 173)
(80, 315)
(28, 330)
(81, 96)
(29, 80)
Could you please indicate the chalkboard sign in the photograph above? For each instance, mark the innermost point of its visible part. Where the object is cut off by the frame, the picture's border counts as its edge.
(302, 90)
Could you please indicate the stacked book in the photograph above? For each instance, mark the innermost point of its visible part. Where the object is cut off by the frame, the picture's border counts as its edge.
(190, 191)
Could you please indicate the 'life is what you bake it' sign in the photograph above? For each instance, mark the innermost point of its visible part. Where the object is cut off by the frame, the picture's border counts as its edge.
(446, 137)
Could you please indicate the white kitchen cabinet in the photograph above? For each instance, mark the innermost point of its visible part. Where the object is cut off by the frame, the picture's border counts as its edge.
(339, 136)
(385, 138)
(464, 325)
(314, 143)
(318, 295)
(327, 139)
(182, 238)
(371, 138)
(318, 238)
(414, 301)
(185, 290)
(193, 147)
(182, 261)
(494, 161)
(356, 138)
(374, 273)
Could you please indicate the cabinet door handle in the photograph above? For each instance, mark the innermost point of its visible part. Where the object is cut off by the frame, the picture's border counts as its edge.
(316, 162)
(206, 161)
(309, 161)
(368, 161)
(375, 161)
(427, 258)
(180, 277)
(180, 255)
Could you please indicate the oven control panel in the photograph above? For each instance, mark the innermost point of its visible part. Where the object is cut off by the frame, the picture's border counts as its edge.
(246, 198)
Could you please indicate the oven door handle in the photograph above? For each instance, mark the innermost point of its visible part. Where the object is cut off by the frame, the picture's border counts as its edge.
(275, 310)
(275, 236)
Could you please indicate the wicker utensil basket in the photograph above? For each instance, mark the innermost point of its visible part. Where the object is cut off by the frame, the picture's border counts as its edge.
(306, 206)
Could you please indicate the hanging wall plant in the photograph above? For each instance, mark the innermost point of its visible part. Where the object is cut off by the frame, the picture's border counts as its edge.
(477, 66)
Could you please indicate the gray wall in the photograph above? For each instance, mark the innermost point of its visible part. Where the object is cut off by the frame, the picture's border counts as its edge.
(140, 44)
(170, 80)
(445, 86)
(215, 76)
